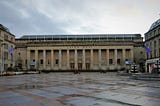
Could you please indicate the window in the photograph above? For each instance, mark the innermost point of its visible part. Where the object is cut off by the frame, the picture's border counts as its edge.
(57, 61)
(5, 55)
(110, 61)
(154, 32)
(118, 61)
(155, 47)
(48, 61)
(155, 44)
(159, 52)
(6, 37)
(41, 61)
(26, 61)
(11, 39)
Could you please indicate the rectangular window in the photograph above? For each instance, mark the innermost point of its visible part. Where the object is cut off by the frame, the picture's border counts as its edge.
(57, 62)
(48, 61)
(110, 61)
(41, 61)
(154, 32)
(11, 39)
(6, 37)
(26, 62)
(118, 61)
(159, 31)
(159, 52)
(5, 55)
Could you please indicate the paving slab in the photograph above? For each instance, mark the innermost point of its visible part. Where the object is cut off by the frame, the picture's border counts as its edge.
(65, 90)
(9, 98)
(85, 89)
(43, 93)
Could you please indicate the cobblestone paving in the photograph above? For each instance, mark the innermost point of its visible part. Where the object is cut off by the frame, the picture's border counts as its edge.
(85, 89)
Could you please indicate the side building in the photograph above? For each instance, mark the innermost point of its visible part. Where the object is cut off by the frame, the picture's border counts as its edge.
(89, 52)
(7, 45)
(152, 42)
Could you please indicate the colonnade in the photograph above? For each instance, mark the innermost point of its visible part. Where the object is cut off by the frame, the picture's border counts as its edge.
(77, 59)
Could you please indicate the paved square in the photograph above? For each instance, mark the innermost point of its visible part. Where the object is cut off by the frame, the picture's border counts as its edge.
(85, 89)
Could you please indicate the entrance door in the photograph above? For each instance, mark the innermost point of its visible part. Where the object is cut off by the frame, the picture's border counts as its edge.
(87, 66)
(79, 66)
(72, 66)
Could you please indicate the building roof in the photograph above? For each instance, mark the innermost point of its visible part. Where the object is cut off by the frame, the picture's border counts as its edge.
(155, 24)
(82, 36)
(2, 27)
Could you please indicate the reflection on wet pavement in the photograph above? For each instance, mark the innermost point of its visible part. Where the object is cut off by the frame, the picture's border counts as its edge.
(85, 89)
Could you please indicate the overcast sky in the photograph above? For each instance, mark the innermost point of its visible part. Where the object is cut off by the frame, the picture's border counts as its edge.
(24, 17)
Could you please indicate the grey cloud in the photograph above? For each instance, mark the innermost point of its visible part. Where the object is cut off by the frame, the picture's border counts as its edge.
(75, 16)
(13, 16)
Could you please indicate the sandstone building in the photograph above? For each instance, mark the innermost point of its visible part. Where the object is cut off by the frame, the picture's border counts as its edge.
(88, 52)
(7, 44)
(152, 42)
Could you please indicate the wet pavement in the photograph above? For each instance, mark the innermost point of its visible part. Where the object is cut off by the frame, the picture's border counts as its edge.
(85, 89)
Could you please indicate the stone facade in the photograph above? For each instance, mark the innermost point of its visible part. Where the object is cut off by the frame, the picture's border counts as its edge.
(7, 45)
(152, 41)
(78, 52)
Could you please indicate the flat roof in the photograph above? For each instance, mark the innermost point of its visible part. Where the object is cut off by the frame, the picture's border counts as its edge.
(81, 36)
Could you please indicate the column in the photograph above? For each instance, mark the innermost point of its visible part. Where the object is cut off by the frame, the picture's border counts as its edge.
(84, 60)
(52, 53)
(68, 58)
(132, 60)
(60, 59)
(28, 58)
(91, 59)
(44, 59)
(107, 53)
(115, 56)
(99, 58)
(36, 59)
(124, 55)
(75, 59)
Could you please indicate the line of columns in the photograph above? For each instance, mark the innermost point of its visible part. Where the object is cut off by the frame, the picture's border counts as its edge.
(52, 56)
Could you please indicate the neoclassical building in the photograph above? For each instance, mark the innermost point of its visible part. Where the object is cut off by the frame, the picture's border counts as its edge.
(7, 44)
(88, 52)
(152, 41)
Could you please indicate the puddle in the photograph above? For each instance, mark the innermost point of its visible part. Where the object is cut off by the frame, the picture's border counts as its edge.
(25, 86)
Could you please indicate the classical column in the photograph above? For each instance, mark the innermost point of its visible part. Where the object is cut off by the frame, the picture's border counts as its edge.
(91, 58)
(44, 59)
(132, 57)
(75, 59)
(115, 56)
(52, 58)
(28, 58)
(99, 58)
(60, 59)
(84, 60)
(107, 53)
(124, 55)
(36, 59)
(68, 58)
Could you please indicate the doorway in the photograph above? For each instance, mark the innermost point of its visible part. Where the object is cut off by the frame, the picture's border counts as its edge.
(79, 66)
(72, 66)
(87, 66)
